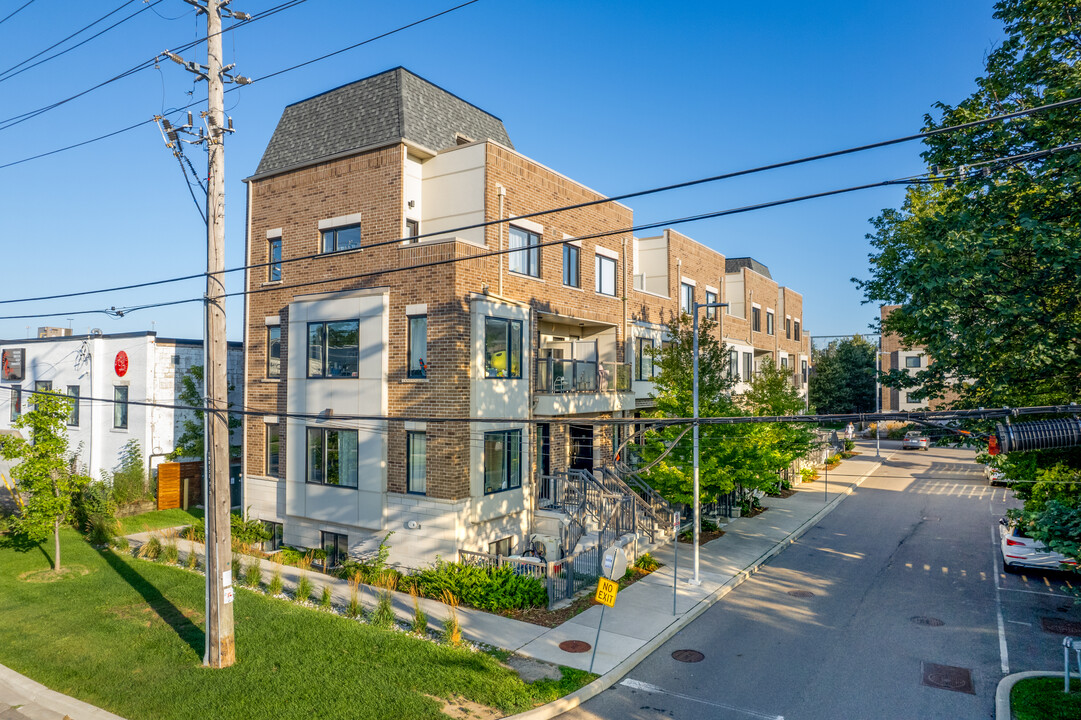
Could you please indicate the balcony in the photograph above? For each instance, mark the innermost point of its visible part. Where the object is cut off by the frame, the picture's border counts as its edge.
(582, 376)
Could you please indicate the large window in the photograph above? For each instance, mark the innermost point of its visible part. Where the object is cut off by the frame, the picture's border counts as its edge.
(605, 268)
(120, 407)
(502, 460)
(643, 359)
(73, 416)
(912, 361)
(686, 298)
(274, 253)
(733, 363)
(416, 462)
(570, 266)
(769, 322)
(711, 312)
(332, 457)
(274, 351)
(273, 446)
(418, 346)
(333, 349)
(502, 348)
(527, 260)
(804, 369)
(336, 546)
(788, 328)
(756, 319)
(795, 330)
(276, 531)
(43, 386)
(337, 239)
(748, 367)
(544, 449)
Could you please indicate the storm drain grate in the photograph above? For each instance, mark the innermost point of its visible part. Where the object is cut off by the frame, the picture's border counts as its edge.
(575, 646)
(928, 621)
(688, 656)
(1059, 626)
(801, 593)
(948, 677)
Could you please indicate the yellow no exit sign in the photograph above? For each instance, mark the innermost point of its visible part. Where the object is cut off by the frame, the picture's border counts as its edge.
(606, 591)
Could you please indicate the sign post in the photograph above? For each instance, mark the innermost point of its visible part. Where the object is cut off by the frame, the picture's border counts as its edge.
(675, 557)
(613, 566)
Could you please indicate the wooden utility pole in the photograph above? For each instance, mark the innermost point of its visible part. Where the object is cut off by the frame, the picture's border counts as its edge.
(221, 642)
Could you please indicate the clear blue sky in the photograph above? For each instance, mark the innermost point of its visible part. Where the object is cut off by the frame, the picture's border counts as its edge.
(619, 96)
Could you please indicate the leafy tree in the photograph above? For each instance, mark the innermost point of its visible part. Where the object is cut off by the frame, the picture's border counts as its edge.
(45, 473)
(673, 476)
(190, 442)
(986, 268)
(843, 379)
(772, 447)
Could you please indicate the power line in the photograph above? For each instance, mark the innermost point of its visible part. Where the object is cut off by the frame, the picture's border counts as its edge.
(15, 12)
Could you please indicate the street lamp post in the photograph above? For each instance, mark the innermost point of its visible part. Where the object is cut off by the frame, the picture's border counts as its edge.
(695, 306)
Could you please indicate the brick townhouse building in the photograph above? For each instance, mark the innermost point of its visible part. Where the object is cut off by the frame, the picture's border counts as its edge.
(896, 356)
(373, 215)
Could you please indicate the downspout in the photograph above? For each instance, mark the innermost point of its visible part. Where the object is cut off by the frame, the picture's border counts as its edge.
(502, 192)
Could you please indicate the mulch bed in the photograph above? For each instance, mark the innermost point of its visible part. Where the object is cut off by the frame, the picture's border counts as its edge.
(703, 536)
(756, 511)
(783, 493)
(554, 618)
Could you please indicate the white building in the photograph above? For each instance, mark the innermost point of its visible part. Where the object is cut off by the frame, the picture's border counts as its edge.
(111, 375)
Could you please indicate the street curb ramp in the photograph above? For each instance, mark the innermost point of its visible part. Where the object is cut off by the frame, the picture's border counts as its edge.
(1005, 687)
(610, 678)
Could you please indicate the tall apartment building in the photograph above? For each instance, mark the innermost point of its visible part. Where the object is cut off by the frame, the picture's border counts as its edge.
(111, 376)
(380, 319)
(896, 356)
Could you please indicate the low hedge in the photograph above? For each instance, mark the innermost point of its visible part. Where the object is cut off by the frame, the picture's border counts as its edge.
(491, 589)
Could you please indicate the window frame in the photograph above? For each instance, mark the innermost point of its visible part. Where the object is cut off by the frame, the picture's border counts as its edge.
(756, 319)
(274, 259)
(16, 402)
(711, 312)
(686, 298)
(277, 535)
(600, 271)
(73, 416)
(910, 358)
(513, 329)
(572, 262)
(771, 322)
(526, 255)
(505, 544)
(748, 367)
(788, 328)
(332, 561)
(120, 407)
(420, 373)
(412, 230)
(324, 450)
(272, 469)
(795, 329)
(640, 356)
(733, 363)
(421, 487)
(271, 330)
(324, 358)
(331, 233)
(512, 455)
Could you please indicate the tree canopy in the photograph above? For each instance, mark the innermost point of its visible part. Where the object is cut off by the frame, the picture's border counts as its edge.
(843, 379)
(190, 442)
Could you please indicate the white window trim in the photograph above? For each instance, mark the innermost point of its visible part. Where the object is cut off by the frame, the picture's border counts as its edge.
(418, 309)
(270, 419)
(275, 233)
(529, 225)
(611, 254)
(571, 241)
(414, 426)
(770, 310)
(340, 221)
(688, 281)
(715, 291)
(272, 320)
(756, 305)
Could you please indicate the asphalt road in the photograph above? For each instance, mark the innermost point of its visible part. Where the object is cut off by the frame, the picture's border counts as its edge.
(905, 574)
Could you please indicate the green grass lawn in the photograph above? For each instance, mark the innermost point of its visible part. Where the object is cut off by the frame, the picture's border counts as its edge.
(128, 636)
(1043, 699)
(158, 519)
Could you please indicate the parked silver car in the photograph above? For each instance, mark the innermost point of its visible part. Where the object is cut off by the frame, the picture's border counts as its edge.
(915, 440)
(1019, 550)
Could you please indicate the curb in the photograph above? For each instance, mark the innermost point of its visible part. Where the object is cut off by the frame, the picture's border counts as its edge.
(38, 694)
(610, 678)
(1005, 687)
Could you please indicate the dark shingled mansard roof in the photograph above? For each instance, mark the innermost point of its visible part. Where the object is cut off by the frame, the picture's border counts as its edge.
(733, 265)
(379, 110)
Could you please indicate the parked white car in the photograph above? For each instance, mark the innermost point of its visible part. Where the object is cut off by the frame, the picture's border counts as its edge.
(994, 475)
(915, 440)
(1021, 551)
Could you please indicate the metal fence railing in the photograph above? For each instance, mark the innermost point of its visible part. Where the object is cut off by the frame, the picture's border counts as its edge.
(556, 375)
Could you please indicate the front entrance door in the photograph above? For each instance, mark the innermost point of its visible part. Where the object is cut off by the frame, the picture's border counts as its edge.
(581, 437)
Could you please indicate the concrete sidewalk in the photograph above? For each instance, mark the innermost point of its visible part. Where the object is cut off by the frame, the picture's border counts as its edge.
(23, 699)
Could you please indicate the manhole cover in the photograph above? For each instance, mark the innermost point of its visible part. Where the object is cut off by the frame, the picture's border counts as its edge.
(1060, 626)
(801, 593)
(688, 656)
(948, 677)
(575, 646)
(928, 621)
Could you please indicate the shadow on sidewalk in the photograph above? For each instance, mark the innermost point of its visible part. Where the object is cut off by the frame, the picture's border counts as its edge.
(170, 614)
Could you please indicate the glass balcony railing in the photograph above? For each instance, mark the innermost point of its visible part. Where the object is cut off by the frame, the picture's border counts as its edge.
(559, 376)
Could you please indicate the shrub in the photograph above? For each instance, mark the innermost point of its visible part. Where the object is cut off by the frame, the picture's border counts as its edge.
(91, 503)
(646, 563)
(101, 529)
(129, 477)
(808, 474)
(420, 618)
(193, 559)
(353, 608)
(120, 543)
(304, 588)
(151, 549)
(370, 567)
(275, 586)
(324, 598)
(169, 552)
(246, 533)
(253, 575)
(850, 445)
(452, 629)
(236, 568)
(492, 589)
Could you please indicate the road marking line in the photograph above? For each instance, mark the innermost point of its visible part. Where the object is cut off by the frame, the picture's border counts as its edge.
(1003, 652)
(1030, 592)
(1018, 622)
(650, 688)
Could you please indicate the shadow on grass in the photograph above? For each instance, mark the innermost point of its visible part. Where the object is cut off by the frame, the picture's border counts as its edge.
(173, 616)
(23, 544)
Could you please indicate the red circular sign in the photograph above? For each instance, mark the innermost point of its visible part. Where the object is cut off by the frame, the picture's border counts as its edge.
(121, 364)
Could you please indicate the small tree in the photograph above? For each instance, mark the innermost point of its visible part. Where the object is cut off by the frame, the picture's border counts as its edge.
(190, 442)
(843, 380)
(45, 473)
